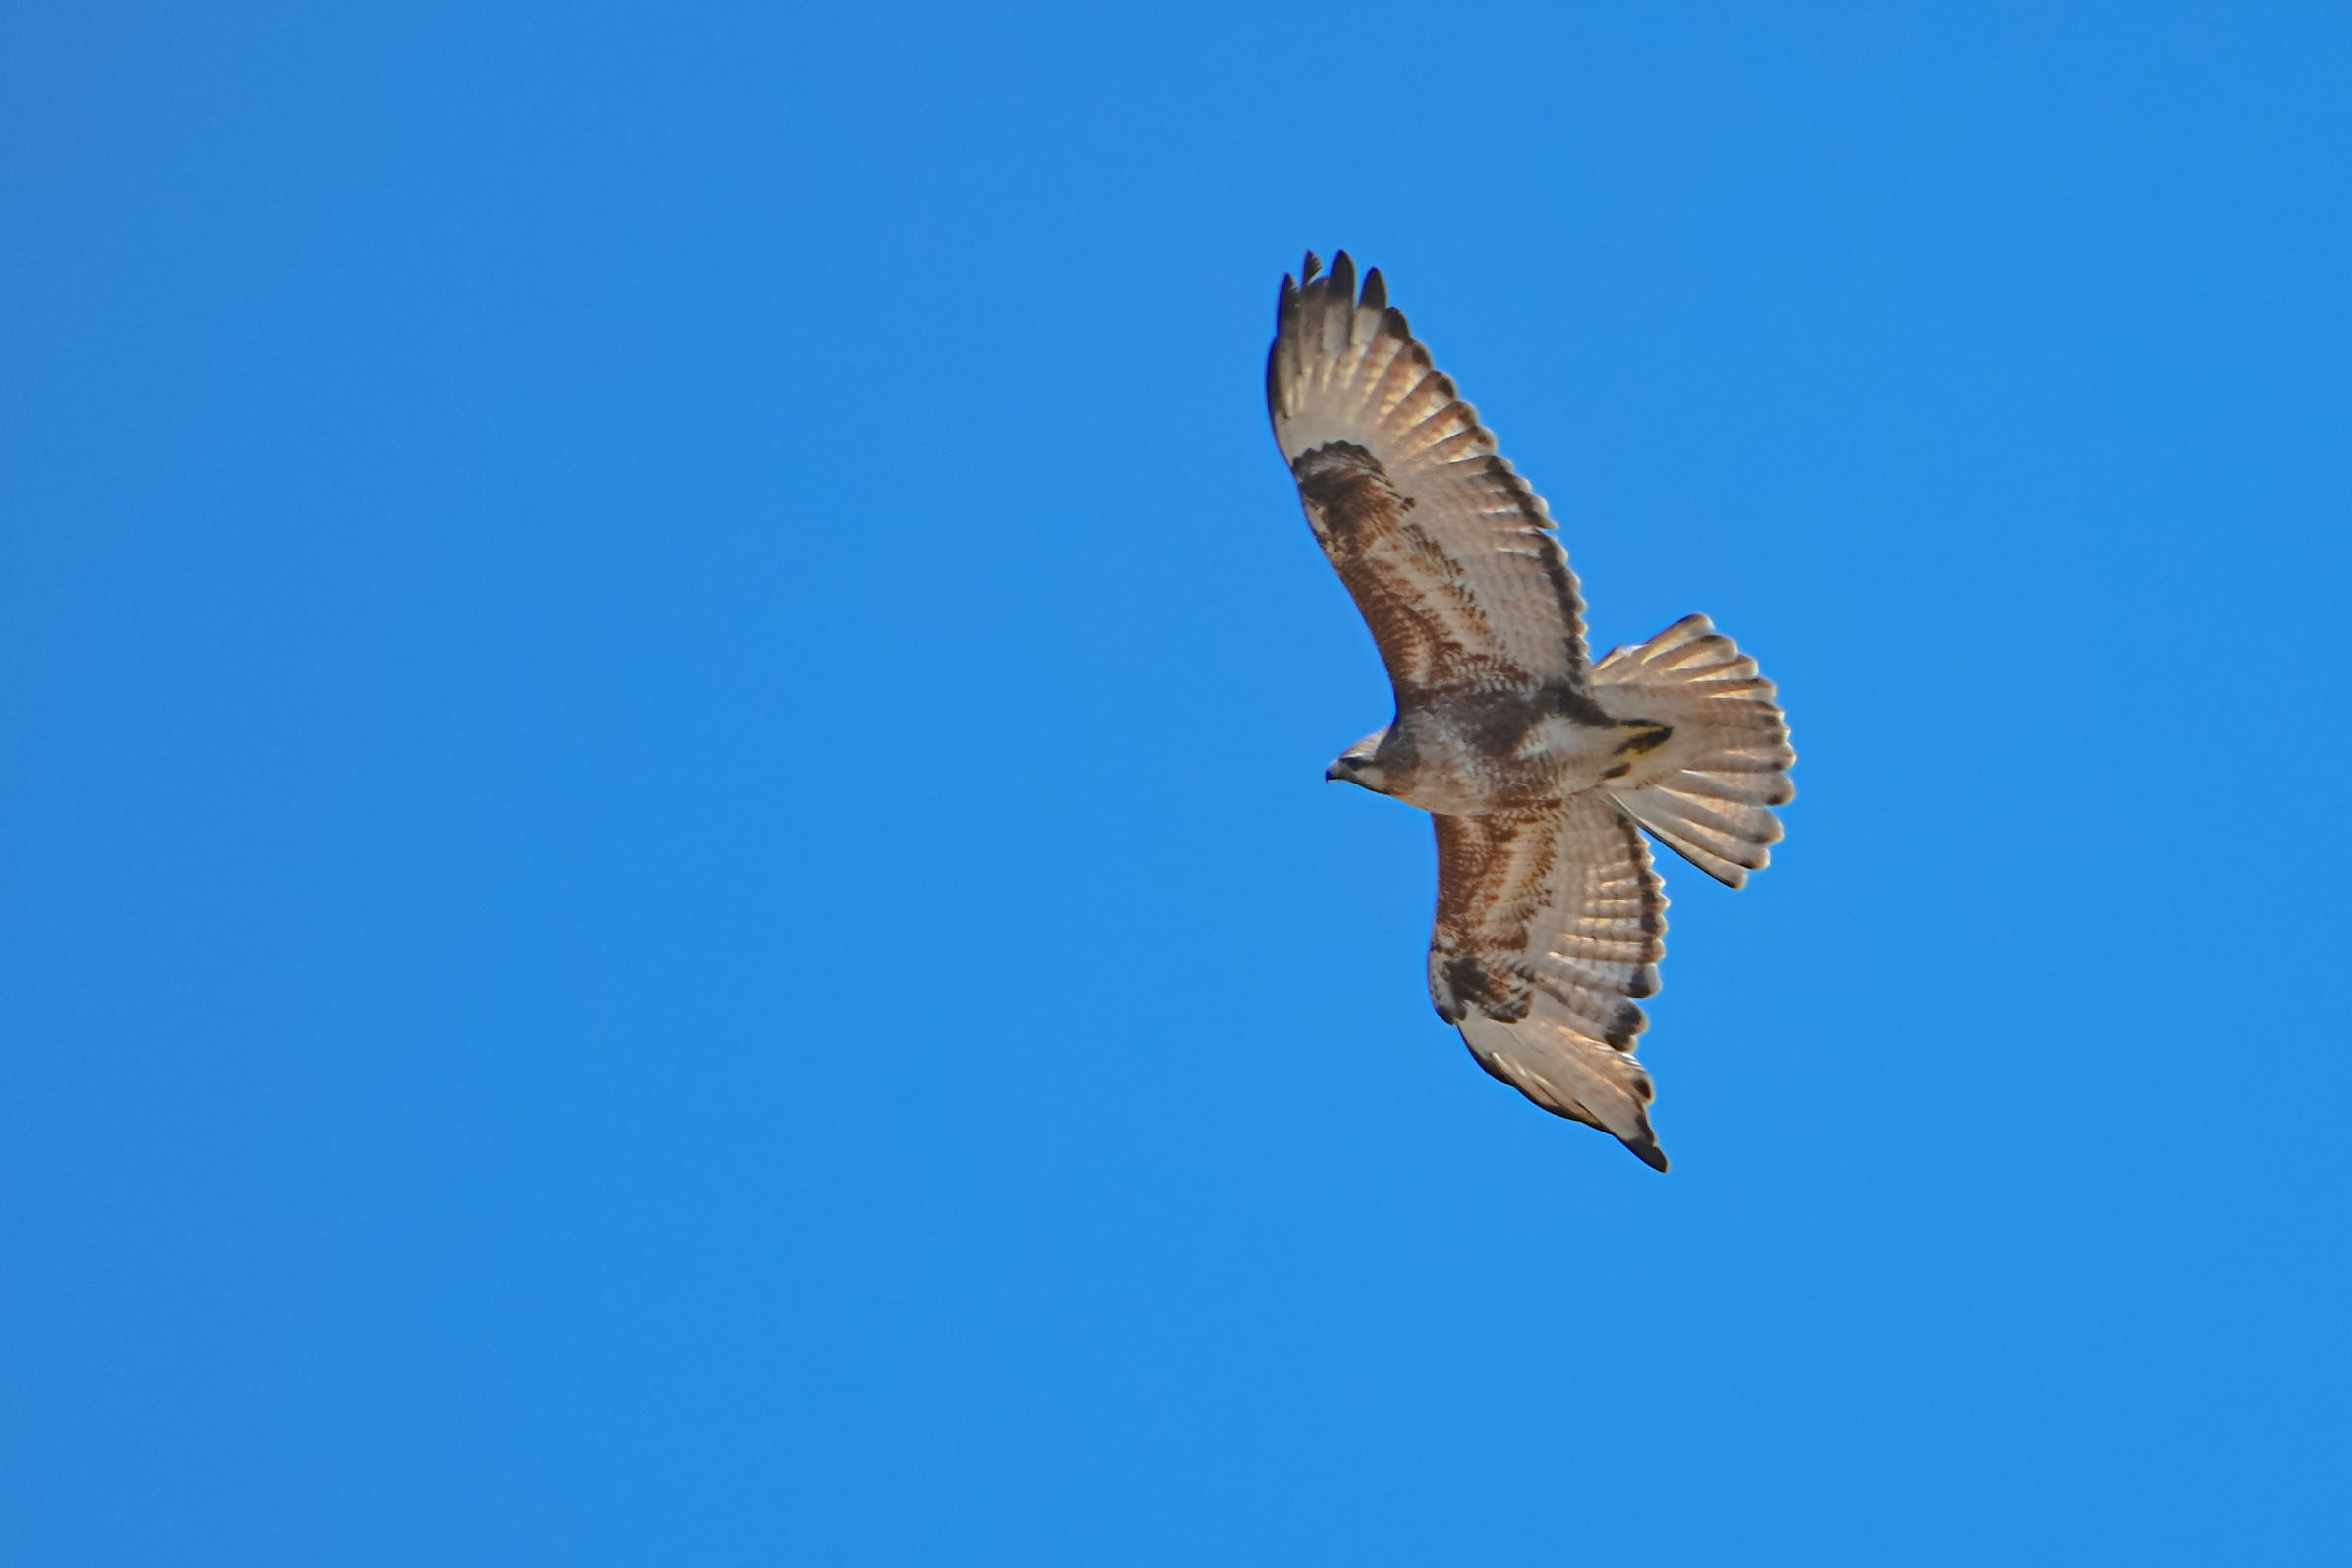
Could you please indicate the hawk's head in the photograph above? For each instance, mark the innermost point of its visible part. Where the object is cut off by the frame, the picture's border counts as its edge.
(1354, 765)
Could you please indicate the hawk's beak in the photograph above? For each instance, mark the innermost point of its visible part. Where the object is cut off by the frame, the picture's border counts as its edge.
(1331, 774)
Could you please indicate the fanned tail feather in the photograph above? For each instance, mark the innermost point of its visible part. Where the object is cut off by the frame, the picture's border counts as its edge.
(1707, 793)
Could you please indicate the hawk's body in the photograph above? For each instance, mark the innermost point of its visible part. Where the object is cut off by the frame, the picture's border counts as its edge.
(1536, 767)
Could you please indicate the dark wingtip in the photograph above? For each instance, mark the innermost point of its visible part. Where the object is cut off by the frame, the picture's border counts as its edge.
(1647, 1151)
(1344, 276)
(1308, 268)
(1375, 291)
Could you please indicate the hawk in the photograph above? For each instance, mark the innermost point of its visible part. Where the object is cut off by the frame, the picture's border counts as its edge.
(1541, 769)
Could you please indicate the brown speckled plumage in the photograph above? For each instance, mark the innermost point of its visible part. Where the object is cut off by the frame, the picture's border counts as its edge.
(1540, 770)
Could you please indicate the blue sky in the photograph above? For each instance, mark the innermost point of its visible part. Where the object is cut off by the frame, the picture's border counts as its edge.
(669, 896)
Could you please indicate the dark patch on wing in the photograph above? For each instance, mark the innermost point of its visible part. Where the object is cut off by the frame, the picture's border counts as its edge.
(1434, 634)
(1490, 877)
(1349, 485)
(1471, 983)
(1312, 315)
(1496, 887)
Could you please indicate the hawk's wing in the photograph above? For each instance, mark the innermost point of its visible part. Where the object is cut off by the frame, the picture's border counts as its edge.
(1450, 555)
(1548, 927)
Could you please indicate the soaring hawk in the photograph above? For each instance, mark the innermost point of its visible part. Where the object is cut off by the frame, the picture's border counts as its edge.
(1539, 768)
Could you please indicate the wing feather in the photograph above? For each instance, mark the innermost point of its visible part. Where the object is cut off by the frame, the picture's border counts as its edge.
(1450, 556)
(1549, 928)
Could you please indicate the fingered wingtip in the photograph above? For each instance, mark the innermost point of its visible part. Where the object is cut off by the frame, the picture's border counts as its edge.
(1312, 281)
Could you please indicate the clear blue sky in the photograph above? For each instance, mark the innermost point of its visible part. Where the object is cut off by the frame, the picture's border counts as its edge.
(667, 896)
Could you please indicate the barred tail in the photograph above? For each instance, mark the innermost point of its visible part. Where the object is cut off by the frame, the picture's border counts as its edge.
(1708, 791)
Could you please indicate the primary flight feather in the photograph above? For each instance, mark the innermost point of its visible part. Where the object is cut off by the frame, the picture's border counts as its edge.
(1538, 768)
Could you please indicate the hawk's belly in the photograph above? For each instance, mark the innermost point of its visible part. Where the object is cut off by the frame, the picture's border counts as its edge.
(1477, 757)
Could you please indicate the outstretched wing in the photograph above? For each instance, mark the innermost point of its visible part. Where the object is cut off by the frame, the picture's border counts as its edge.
(1450, 556)
(1548, 927)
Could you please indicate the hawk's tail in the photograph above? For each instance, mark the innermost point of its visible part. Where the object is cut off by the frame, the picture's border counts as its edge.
(1707, 793)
